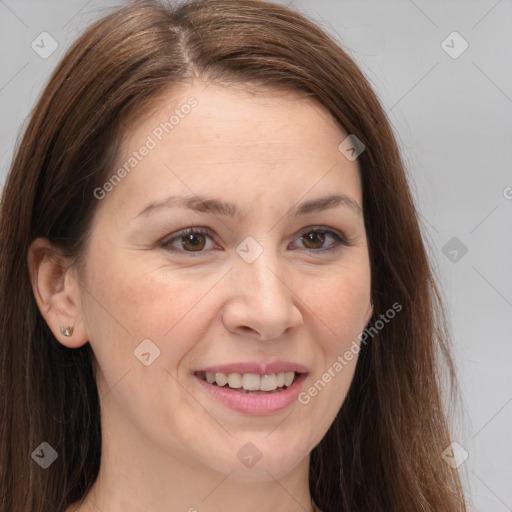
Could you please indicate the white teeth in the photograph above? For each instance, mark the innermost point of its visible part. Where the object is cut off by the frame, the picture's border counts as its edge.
(268, 382)
(288, 378)
(235, 380)
(221, 379)
(251, 381)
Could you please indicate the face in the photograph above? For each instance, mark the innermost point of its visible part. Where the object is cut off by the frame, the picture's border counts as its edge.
(273, 285)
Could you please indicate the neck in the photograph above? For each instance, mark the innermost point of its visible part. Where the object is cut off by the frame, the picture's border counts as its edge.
(191, 492)
(128, 482)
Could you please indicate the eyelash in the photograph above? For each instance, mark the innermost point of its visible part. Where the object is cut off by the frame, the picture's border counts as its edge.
(339, 244)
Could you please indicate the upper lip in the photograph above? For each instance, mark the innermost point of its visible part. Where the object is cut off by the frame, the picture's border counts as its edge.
(259, 368)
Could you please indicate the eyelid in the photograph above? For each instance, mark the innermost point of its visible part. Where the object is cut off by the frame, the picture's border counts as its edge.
(340, 239)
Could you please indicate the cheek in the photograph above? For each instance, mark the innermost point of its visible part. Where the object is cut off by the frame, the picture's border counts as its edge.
(126, 305)
(339, 304)
(338, 309)
(136, 296)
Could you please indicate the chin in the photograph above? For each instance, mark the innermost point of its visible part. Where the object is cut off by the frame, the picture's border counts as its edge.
(260, 459)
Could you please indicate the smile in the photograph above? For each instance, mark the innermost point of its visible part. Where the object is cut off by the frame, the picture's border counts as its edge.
(250, 383)
(252, 388)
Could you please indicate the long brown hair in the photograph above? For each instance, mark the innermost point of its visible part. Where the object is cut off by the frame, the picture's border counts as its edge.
(383, 451)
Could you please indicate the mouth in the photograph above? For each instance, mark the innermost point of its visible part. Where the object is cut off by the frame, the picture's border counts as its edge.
(250, 383)
(253, 388)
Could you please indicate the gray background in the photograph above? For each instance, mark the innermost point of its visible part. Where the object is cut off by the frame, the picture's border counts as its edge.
(453, 119)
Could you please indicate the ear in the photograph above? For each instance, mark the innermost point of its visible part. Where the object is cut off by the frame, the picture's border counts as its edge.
(57, 292)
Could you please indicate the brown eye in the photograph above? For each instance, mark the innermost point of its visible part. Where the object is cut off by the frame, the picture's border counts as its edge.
(313, 239)
(190, 241)
(193, 242)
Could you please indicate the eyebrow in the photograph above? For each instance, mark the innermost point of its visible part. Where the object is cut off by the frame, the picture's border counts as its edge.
(218, 207)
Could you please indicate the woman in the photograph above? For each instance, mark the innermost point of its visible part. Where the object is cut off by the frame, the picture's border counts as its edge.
(216, 294)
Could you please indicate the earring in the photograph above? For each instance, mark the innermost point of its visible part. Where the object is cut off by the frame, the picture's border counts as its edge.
(66, 332)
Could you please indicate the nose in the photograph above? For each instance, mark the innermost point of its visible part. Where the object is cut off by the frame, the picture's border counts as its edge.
(262, 299)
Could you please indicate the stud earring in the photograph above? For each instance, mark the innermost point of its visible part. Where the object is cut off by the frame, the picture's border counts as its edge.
(66, 332)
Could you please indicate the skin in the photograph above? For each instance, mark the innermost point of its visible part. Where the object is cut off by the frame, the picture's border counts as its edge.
(167, 445)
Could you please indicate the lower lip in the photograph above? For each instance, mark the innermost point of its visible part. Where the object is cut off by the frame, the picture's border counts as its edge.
(256, 404)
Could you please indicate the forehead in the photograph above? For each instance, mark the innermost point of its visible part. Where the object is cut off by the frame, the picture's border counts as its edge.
(236, 141)
(237, 119)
